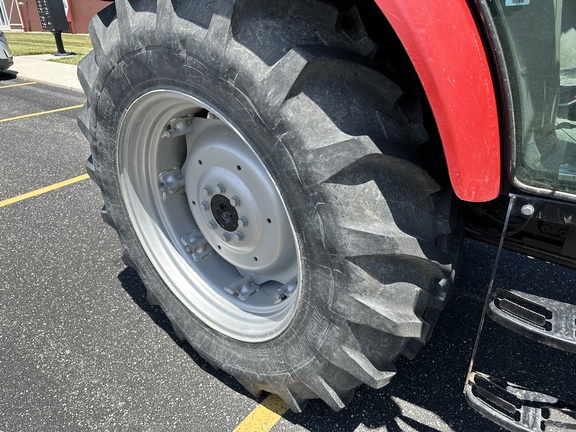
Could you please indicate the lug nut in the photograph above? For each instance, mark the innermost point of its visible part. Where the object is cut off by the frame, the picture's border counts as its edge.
(242, 222)
(220, 188)
(205, 205)
(213, 224)
(234, 201)
(239, 236)
(226, 237)
(207, 191)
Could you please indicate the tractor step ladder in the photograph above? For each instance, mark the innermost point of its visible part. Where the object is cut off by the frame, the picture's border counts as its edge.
(547, 321)
(516, 408)
(544, 320)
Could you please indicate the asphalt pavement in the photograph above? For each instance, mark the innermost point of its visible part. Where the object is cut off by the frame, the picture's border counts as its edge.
(81, 349)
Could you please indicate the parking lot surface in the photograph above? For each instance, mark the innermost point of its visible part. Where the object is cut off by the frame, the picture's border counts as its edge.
(80, 349)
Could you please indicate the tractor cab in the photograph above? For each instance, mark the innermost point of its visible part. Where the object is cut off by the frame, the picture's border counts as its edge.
(534, 46)
(538, 54)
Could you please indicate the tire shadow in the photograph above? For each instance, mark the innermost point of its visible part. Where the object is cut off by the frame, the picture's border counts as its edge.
(134, 286)
(426, 395)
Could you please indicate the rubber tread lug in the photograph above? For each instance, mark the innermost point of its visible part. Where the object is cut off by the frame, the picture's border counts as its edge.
(348, 357)
(83, 121)
(338, 156)
(137, 22)
(104, 33)
(89, 165)
(153, 300)
(412, 197)
(373, 377)
(282, 76)
(325, 392)
(401, 287)
(250, 387)
(295, 402)
(127, 259)
(389, 269)
(107, 218)
(87, 72)
(372, 313)
(389, 170)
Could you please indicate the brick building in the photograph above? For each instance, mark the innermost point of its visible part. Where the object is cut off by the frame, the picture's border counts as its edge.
(23, 14)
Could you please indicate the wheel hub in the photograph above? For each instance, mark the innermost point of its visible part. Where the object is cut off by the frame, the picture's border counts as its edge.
(236, 204)
(208, 215)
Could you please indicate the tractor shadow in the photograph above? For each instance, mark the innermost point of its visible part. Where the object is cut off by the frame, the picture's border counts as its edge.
(426, 395)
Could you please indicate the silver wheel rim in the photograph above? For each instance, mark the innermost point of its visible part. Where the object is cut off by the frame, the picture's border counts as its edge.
(208, 215)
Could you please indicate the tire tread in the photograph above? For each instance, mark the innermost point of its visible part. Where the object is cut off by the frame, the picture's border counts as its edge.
(390, 279)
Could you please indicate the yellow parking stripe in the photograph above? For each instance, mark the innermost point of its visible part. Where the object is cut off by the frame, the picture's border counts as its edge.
(41, 113)
(43, 190)
(18, 85)
(264, 416)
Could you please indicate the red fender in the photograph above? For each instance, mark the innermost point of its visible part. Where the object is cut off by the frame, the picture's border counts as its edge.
(443, 42)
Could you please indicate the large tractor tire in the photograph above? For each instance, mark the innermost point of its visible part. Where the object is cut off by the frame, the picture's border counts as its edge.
(267, 189)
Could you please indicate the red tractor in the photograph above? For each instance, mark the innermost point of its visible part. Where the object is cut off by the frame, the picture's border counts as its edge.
(292, 179)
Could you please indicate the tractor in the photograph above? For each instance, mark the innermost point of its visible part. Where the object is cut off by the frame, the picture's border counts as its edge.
(292, 180)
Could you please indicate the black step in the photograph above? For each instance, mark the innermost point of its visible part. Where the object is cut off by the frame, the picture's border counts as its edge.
(549, 322)
(516, 408)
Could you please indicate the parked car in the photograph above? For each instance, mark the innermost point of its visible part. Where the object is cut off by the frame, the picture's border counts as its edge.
(6, 59)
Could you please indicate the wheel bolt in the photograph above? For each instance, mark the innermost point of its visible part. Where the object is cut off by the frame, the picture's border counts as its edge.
(242, 222)
(226, 237)
(220, 188)
(235, 201)
(205, 205)
(239, 236)
(207, 191)
(528, 210)
(213, 224)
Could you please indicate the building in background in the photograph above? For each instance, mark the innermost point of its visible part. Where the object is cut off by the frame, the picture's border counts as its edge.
(23, 14)
(10, 18)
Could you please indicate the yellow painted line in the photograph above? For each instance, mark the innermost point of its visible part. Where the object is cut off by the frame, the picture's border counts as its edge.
(18, 85)
(41, 113)
(264, 416)
(43, 190)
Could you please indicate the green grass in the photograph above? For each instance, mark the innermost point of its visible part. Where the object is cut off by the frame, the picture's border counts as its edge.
(44, 43)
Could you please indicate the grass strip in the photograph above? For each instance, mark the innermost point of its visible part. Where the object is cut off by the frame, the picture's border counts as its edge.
(32, 43)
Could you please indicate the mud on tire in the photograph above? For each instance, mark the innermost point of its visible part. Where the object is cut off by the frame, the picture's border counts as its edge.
(355, 261)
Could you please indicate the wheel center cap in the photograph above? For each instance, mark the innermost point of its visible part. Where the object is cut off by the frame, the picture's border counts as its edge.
(224, 212)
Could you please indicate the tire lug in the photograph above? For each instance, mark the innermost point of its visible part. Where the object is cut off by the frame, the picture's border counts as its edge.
(226, 237)
(220, 188)
(207, 191)
(213, 224)
(235, 201)
(205, 206)
(239, 236)
(242, 222)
